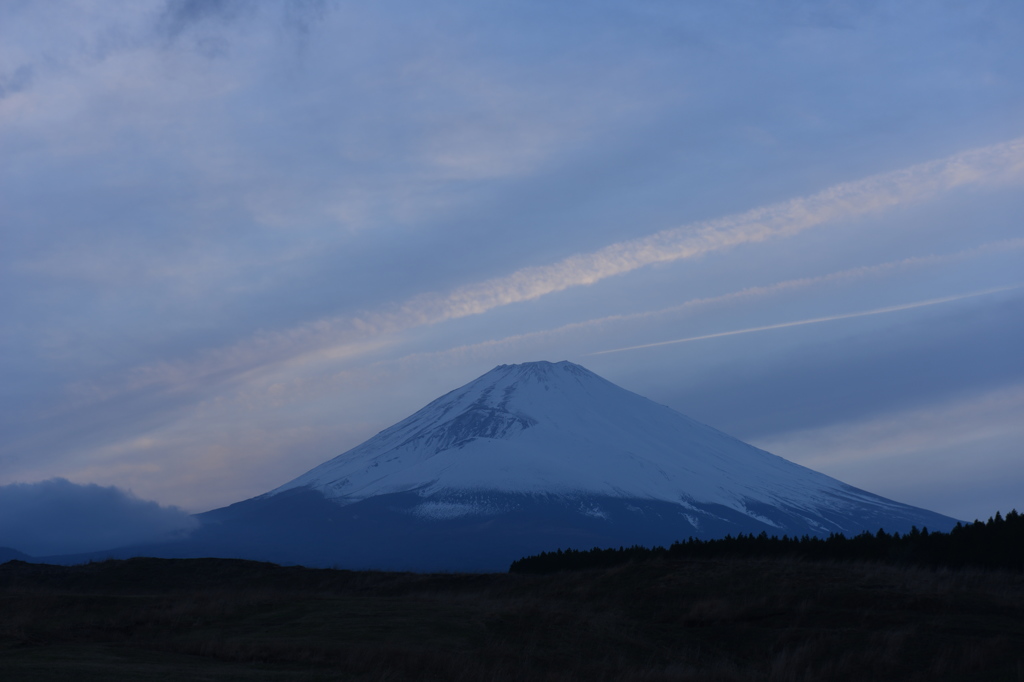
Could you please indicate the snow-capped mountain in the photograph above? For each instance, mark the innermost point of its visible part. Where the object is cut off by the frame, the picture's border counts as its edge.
(530, 458)
(559, 429)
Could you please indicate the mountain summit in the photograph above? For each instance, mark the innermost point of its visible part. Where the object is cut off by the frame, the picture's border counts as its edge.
(559, 429)
(529, 458)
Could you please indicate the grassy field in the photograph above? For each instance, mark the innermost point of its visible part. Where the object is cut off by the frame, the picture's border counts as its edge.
(209, 619)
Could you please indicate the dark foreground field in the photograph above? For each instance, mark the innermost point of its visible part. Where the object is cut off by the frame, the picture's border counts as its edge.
(208, 619)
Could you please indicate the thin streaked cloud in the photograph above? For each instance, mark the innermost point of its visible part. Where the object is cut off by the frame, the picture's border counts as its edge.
(749, 293)
(995, 165)
(998, 164)
(813, 320)
(935, 442)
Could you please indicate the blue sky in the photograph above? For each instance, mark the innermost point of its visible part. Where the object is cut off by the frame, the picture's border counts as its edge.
(239, 238)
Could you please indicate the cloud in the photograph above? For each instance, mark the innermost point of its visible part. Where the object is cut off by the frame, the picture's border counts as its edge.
(179, 15)
(815, 320)
(836, 376)
(967, 448)
(629, 320)
(60, 517)
(996, 165)
(211, 19)
(18, 80)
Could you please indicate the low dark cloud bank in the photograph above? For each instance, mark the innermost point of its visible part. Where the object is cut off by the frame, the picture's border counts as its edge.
(60, 517)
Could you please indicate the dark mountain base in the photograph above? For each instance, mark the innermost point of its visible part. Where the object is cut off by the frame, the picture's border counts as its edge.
(466, 532)
(737, 620)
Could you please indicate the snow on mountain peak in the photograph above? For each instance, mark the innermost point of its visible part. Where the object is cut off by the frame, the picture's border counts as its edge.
(558, 428)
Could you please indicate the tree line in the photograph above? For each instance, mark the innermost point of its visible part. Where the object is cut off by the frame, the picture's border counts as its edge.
(997, 543)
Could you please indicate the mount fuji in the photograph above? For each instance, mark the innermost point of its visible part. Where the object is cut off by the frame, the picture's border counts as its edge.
(530, 458)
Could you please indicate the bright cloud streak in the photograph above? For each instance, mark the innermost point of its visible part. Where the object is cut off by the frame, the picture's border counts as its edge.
(814, 320)
(994, 165)
(997, 164)
(1002, 246)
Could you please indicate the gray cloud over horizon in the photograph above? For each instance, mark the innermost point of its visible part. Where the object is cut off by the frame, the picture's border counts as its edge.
(57, 516)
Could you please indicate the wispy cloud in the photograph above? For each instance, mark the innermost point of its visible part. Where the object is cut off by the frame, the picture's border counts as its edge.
(589, 329)
(952, 423)
(748, 293)
(813, 320)
(968, 448)
(995, 165)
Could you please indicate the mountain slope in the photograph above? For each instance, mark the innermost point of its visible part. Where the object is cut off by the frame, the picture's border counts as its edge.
(530, 458)
(559, 429)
